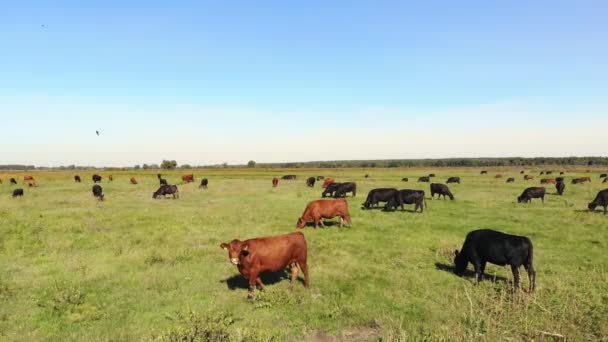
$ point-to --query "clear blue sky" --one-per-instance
(212, 81)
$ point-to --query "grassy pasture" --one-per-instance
(134, 268)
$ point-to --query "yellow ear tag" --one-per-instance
(246, 247)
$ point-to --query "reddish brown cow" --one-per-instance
(275, 182)
(325, 209)
(547, 181)
(528, 177)
(498, 175)
(585, 179)
(28, 178)
(133, 180)
(269, 254)
(328, 181)
(32, 183)
(188, 178)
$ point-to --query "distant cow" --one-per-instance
(27, 178)
(510, 180)
(528, 177)
(404, 179)
(345, 188)
(310, 181)
(547, 181)
(32, 183)
(548, 172)
(375, 196)
(581, 180)
(407, 196)
(188, 178)
(486, 245)
(521, 172)
(542, 172)
(530, 193)
(559, 179)
(366, 176)
(0, 180)
(330, 189)
(600, 200)
(275, 182)
(431, 175)
(440, 189)
(162, 181)
(96, 178)
(13, 181)
(17, 192)
(605, 180)
(159, 176)
(325, 209)
(561, 173)
(328, 181)
(585, 179)
(165, 190)
(483, 172)
(133, 180)
(453, 180)
(498, 175)
(269, 254)
(110, 178)
(320, 178)
(289, 177)
(576, 181)
(204, 183)
(603, 175)
(424, 179)
(77, 179)
(98, 192)
(560, 186)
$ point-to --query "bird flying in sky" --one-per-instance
(97, 133)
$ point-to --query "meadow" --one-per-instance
(135, 268)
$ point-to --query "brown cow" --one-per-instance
(275, 182)
(328, 181)
(32, 183)
(28, 178)
(269, 254)
(325, 209)
(498, 176)
(188, 178)
(528, 177)
(133, 180)
(547, 181)
(585, 179)
(110, 178)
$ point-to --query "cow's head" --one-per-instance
(460, 263)
(591, 206)
(236, 249)
(301, 223)
(520, 199)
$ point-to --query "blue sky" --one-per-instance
(226, 81)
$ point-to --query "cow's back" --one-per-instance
(275, 253)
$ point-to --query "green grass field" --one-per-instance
(134, 268)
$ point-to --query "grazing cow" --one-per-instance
(320, 178)
(98, 192)
(330, 189)
(325, 209)
(17, 192)
(431, 175)
(289, 177)
(585, 179)
(204, 183)
(345, 188)
(530, 193)
(404, 179)
(483, 172)
(310, 181)
(188, 178)
(28, 178)
(486, 245)
(328, 181)
(542, 172)
(375, 196)
(576, 181)
(110, 178)
(13, 181)
(600, 200)
(548, 172)
(453, 180)
(498, 175)
(366, 176)
(560, 186)
(440, 189)
(165, 190)
(424, 179)
(269, 254)
(96, 178)
(32, 183)
(77, 179)
(559, 179)
(603, 175)
(521, 172)
(407, 196)
(561, 173)
(547, 181)
(133, 180)
(528, 177)
(510, 180)
(162, 181)
(275, 182)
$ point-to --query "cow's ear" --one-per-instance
(455, 252)
(245, 247)
(224, 246)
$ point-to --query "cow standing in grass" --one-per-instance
(204, 183)
(530, 193)
(325, 209)
(17, 193)
(98, 192)
(600, 200)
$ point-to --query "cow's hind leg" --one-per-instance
(531, 276)
(515, 270)
(304, 268)
(259, 282)
(294, 272)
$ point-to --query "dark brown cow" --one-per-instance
(275, 182)
(269, 254)
(328, 181)
(188, 178)
(325, 209)
(77, 179)
(483, 172)
(133, 180)
(498, 175)
(548, 181)
(528, 177)
(110, 178)
(0, 180)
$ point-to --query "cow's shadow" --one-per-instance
(469, 273)
(327, 224)
(237, 281)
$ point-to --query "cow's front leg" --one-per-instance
(253, 279)
(259, 282)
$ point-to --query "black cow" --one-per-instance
(310, 181)
(159, 176)
(96, 178)
(98, 192)
(290, 177)
(510, 180)
(483, 172)
(431, 175)
(77, 179)
(605, 180)
(330, 189)
(560, 186)
(204, 183)
(378, 195)
(521, 172)
(366, 176)
(440, 189)
(344, 188)
(542, 172)
(453, 180)
(13, 181)
(486, 245)
(577, 181)
(530, 193)
(165, 190)
(407, 196)
(404, 179)
(162, 181)
(17, 192)
(601, 199)
(561, 173)
(548, 172)
(320, 178)
(603, 175)
(559, 179)
(424, 179)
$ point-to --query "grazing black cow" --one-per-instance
(162, 181)
(440, 189)
(159, 176)
(521, 172)
(577, 181)
(424, 179)
(530, 193)
(17, 192)
(407, 196)
(378, 195)
(96, 178)
(310, 182)
(330, 189)
(561, 173)
(510, 180)
(559, 179)
(77, 179)
(320, 178)
(548, 172)
(542, 172)
(453, 180)
(486, 245)
(204, 183)
(431, 175)
(483, 172)
(600, 200)
(344, 188)
(404, 179)
(366, 176)
(289, 177)
(13, 181)
(603, 175)
(165, 190)
(560, 186)
(98, 192)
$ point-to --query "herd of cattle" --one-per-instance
(271, 254)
